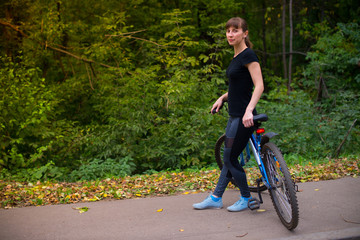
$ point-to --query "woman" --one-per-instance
(244, 73)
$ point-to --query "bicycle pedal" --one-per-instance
(254, 203)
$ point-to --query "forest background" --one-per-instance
(113, 88)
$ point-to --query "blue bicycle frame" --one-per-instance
(256, 148)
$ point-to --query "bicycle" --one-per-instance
(273, 173)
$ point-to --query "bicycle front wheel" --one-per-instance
(252, 175)
(282, 190)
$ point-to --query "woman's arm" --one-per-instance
(217, 105)
(255, 72)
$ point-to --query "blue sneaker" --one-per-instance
(209, 203)
(240, 205)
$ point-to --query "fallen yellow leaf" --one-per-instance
(82, 209)
(316, 189)
(94, 199)
(160, 210)
(261, 210)
(181, 230)
(185, 193)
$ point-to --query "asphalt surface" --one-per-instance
(328, 210)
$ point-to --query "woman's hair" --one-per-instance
(238, 22)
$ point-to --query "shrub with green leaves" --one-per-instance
(26, 112)
(313, 130)
(335, 59)
(32, 133)
(100, 169)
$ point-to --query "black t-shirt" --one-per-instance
(240, 82)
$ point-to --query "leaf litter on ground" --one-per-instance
(22, 194)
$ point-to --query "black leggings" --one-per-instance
(237, 136)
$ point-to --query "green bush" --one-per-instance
(26, 114)
(311, 130)
(335, 58)
(32, 130)
(100, 169)
(44, 173)
(315, 118)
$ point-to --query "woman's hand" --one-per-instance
(218, 104)
(248, 119)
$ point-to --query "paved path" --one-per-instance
(328, 210)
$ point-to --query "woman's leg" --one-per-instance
(237, 136)
(214, 200)
(225, 175)
(222, 182)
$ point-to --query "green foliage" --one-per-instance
(116, 87)
(307, 129)
(44, 173)
(158, 115)
(30, 124)
(26, 113)
(315, 125)
(335, 58)
(100, 169)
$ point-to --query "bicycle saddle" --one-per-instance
(260, 118)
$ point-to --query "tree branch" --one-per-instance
(78, 57)
(124, 34)
(16, 28)
(277, 54)
(87, 70)
(142, 39)
(337, 152)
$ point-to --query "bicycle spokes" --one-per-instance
(280, 190)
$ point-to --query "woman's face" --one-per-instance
(235, 35)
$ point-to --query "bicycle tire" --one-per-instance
(282, 191)
(219, 146)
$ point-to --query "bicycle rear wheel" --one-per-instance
(282, 189)
(251, 178)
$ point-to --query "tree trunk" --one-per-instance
(264, 59)
(290, 46)
(284, 39)
(322, 90)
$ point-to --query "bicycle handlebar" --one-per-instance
(213, 111)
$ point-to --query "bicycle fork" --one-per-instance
(254, 203)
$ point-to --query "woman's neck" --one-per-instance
(239, 48)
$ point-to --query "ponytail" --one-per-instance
(247, 42)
